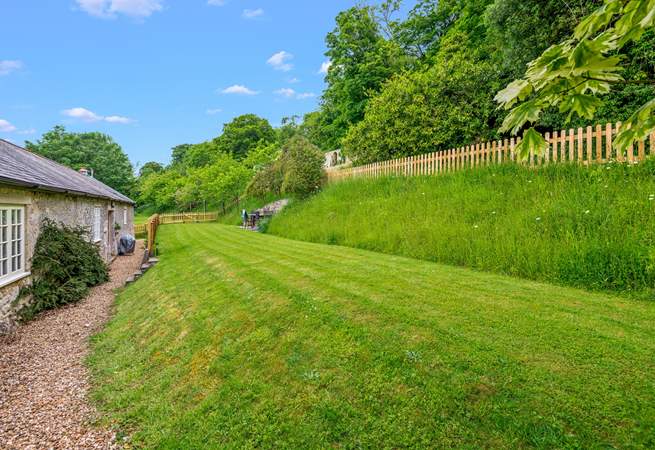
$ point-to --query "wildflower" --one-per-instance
(538, 219)
(493, 212)
(586, 212)
(475, 226)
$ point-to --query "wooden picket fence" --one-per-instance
(152, 224)
(591, 145)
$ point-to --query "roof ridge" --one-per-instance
(56, 175)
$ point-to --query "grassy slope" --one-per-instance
(591, 228)
(264, 342)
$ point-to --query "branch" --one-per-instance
(646, 81)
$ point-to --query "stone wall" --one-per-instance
(68, 209)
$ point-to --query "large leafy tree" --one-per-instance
(93, 150)
(361, 61)
(243, 134)
(149, 168)
(420, 112)
(573, 74)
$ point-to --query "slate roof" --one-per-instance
(20, 167)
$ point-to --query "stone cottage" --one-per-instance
(33, 188)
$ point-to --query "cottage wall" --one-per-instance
(70, 210)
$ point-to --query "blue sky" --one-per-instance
(157, 73)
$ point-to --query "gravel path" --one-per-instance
(43, 380)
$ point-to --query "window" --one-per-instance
(125, 215)
(12, 242)
(97, 224)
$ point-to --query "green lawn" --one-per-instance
(239, 339)
(140, 218)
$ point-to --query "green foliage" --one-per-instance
(64, 266)
(149, 168)
(555, 224)
(158, 191)
(571, 74)
(361, 60)
(424, 111)
(297, 172)
(221, 182)
(95, 151)
(245, 340)
(178, 154)
(201, 155)
(243, 134)
(267, 181)
(303, 168)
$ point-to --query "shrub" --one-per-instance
(297, 172)
(303, 167)
(267, 181)
(65, 265)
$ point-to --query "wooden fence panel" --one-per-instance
(581, 145)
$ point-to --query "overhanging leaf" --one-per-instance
(515, 91)
(581, 104)
(532, 141)
(598, 19)
(519, 116)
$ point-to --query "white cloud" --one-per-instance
(118, 119)
(325, 67)
(290, 93)
(252, 13)
(213, 111)
(6, 126)
(294, 80)
(111, 8)
(285, 92)
(216, 2)
(27, 131)
(280, 61)
(239, 90)
(86, 115)
(7, 66)
(82, 114)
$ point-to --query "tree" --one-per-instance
(243, 134)
(361, 60)
(420, 112)
(303, 167)
(201, 155)
(221, 182)
(149, 168)
(94, 151)
(178, 153)
(159, 191)
(574, 73)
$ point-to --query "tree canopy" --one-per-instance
(93, 150)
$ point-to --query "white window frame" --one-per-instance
(12, 243)
(124, 215)
(97, 224)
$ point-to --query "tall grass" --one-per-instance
(579, 226)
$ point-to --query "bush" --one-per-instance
(297, 172)
(65, 265)
(303, 168)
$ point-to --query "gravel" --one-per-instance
(43, 380)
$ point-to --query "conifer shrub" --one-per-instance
(65, 265)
